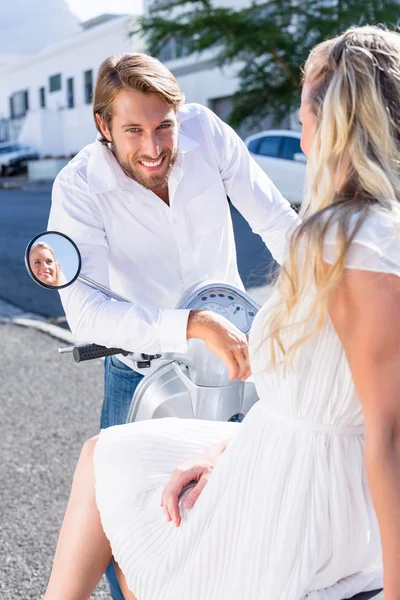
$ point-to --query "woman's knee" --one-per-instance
(85, 462)
(85, 468)
(88, 449)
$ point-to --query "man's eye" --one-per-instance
(165, 126)
(133, 130)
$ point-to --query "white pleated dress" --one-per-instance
(286, 514)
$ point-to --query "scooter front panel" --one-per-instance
(169, 392)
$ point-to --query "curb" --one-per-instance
(40, 325)
(11, 186)
(12, 315)
(23, 183)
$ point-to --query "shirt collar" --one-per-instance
(104, 173)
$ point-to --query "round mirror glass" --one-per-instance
(53, 260)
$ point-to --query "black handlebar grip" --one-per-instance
(90, 351)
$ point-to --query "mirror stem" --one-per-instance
(101, 288)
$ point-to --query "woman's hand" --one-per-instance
(224, 339)
(196, 470)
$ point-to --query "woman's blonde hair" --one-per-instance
(354, 83)
(60, 278)
(138, 72)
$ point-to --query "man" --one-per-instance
(147, 206)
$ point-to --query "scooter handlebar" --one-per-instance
(84, 352)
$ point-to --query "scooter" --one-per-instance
(191, 385)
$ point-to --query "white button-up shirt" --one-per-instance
(152, 253)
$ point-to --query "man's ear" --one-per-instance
(103, 128)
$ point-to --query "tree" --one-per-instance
(269, 40)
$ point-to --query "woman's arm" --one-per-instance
(365, 310)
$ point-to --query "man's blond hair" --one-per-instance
(138, 72)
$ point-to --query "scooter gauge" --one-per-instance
(239, 316)
(216, 308)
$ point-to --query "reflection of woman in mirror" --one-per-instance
(44, 265)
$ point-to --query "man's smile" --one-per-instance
(153, 165)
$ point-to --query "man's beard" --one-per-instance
(152, 182)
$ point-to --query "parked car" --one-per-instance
(279, 154)
(13, 156)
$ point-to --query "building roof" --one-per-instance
(99, 20)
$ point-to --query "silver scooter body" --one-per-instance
(195, 385)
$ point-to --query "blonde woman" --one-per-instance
(44, 265)
(307, 489)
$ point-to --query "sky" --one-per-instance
(87, 9)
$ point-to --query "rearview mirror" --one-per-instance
(53, 260)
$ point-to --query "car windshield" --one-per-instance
(10, 148)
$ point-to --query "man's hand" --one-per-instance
(196, 470)
(224, 339)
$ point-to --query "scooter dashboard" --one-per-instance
(232, 304)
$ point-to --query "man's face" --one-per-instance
(144, 133)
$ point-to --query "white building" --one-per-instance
(45, 96)
(49, 63)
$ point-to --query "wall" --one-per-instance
(71, 58)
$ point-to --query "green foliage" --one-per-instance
(269, 40)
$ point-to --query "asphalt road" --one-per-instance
(49, 407)
(24, 214)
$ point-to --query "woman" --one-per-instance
(287, 513)
(44, 265)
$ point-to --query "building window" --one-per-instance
(174, 48)
(55, 83)
(70, 93)
(88, 84)
(19, 104)
(168, 51)
(26, 100)
(42, 97)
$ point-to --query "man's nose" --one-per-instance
(152, 147)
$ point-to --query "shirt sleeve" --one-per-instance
(250, 189)
(92, 316)
(375, 247)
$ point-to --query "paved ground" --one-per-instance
(49, 407)
(24, 213)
